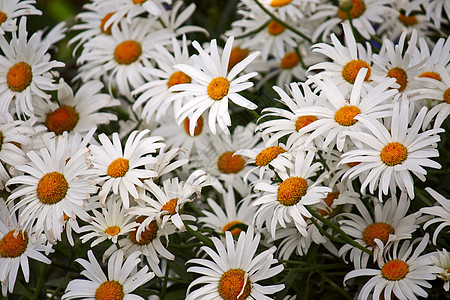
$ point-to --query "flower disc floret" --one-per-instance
(127, 52)
(395, 270)
(103, 22)
(274, 28)
(447, 96)
(289, 60)
(357, 10)
(109, 290)
(218, 88)
(170, 206)
(112, 230)
(19, 77)
(400, 75)
(237, 55)
(3, 17)
(231, 284)
(345, 115)
(379, 231)
(432, 75)
(139, 1)
(147, 236)
(178, 78)
(303, 121)
(118, 168)
(407, 20)
(280, 3)
(291, 190)
(198, 127)
(64, 118)
(235, 231)
(229, 163)
(393, 154)
(267, 155)
(13, 244)
(52, 188)
(351, 69)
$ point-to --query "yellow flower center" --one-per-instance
(279, 3)
(178, 78)
(235, 231)
(267, 155)
(275, 28)
(289, 60)
(147, 236)
(292, 190)
(62, 119)
(109, 290)
(3, 17)
(407, 20)
(170, 206)
(345, 115)
(112, 230)
(118, 168)
(138, 1)
(379, 231)
(227, 163)
(432, 75)
(127, 52)
(304, 121)
(231, 284)
(103, 22)
(237, 55)
(198, 127)
(19, 77)
(351, 69)
(400, 75)
(52, 188)
(447, 95)
(13, 244)
(357, 10)
(395, 270)
(393, 154)
(218, 88)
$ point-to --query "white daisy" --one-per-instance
(433, 9)
(175, 17)
(11, 10)
(292, 9)
(441, 213)
(442, 260)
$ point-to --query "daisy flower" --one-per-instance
(234, 271)
(441, 212)
(213, 86)
(401, 274)
(123, 278)
(24, 71)
(442, 260)
(288, 9)
(121, 170)
(174, 20)
(11, 10)
(433, 9)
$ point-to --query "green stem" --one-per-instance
(351, 23)
(40, 282)
(192, 245)
(322, 231)
(323, 161)
(422, 196)
(164, 285)
(177, 280)
(336, 287)
(253, 32)
(199, 236)
(317, 267)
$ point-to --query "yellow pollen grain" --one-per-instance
(3, 17)
(109, 290)
(351, 69)
(447, 95)
(52, 188)
(235, 231)
(229, 163)
(291, 190)
(274, 28)
(395, 270)
(127, 52)
(303, 121)
(358, 9)
(379, 231)
(407, 20)
(218, 88)
(103, 22)
(231, 284)
(112, 230)
(64, 118)
(236, 56)
(393, 154)
(198, 127)
(147, 236)
(267, 155)
(279, 3)
(432, 75)
(19, 77)
(170, 206)
(13, 244)
(289, 60)
(118, 167)
(400, 75)
(178, 78)
(345, 115)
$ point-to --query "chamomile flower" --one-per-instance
(213, 86)
(288, 9)
(123, 278)
(441, 213)
(442, 260)
(11, 10)
(234, 271)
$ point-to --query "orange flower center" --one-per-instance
(267, 155)
(170, 206)
(19, 77)
(13, 244)
(127, 52)
(279, 3)
(352, 164)
(231, 284)
(52, 188)
(395, 270)
(3, 17)
(118, 168)
(147, 236)
(303, 121)
(329, 200)
(109, 290)
(178, 78)
(432, 75)
(351, 69)
(218, 88)
(400, 75)
(103, 22)
(138, 1)
(62, 119)
(198, 127)
(357, 10)
(235, 231)
(345, 115)
(289, 61)
(275, 28)
(229, 163)
(237, 55)
(379, 231)
(292, 190)
(393, 154)
(407, 20)
(112, 230)
(447, 95)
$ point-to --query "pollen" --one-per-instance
(292, 190)
(3, 17)
(103, 22)
(229, 163)
(170, 206)
(345, 115)
(407, 20)
(275, 28)
(357, 10)
(118, 168)
(13, 244)
(289, 60)
(178, 78)
(236, 56)
(218, 88)
(267, 155)
(379, 231)
(52, 188)
(395, 270)
(198, 127)
(303, 121)
(447, 96)
(432, 75)
(147, 236)
(393, 154)
(231, 285)
(19, 77)
(62, 119)
(279, 3)
(351, 69)
(235, 231)
(127, 52)
(109, 290)
(400, 75)
(112, 230)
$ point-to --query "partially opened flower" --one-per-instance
(440, 213)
